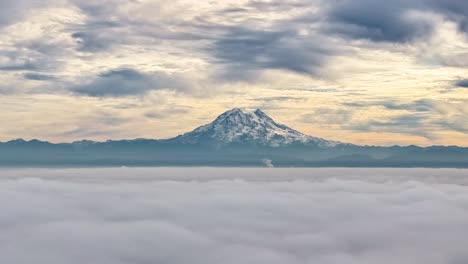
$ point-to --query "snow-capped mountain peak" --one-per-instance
(249, 127)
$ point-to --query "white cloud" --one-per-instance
(233, 216)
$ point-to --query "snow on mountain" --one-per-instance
(242, 126)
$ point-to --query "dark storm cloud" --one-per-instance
(390, 20)
(462, 83)
(127, 82)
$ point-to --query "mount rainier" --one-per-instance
(235, 138)
(245, 127)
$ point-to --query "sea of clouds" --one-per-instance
(226, 215)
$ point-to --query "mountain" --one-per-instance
(235, 138)
(238, 126)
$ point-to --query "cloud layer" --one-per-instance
(256, 216)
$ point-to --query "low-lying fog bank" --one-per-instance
(223, 215)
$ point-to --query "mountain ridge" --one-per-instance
(235, 138)
(298, 136)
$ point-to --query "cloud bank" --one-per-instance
(256, 216)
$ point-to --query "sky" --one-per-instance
(358, 71)
(252, 216)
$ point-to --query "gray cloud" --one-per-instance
(91, 42)
(279, 98)
(126, 82)
(162, 215)
(245, 51)
(390, 20)
(168, 111)
(462, 83)
(455, 10)
(376, 20)
(20, 66)
(422, 105)
(38, 76)
(14, 10)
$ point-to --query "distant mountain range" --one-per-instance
(235, 138)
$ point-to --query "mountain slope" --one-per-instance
(238, 126)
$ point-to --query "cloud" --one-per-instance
(392, 21)
(422, 105)
(163, 215)
(453, 115)
(423, 117)
(38, 76)
(462, 83)
(455, 10)
(327, 116)
(21, 66)
(411, 117)
(14, 10)
(245, 51)
(279, 98)
(168, 112)
(127, 82)
(404, 123)
(376, 20)
(90, 42)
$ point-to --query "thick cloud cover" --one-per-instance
(233, 216)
